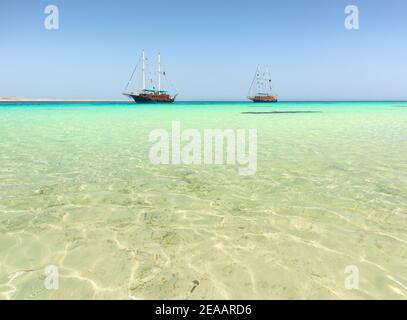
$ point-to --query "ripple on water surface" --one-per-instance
(78, 191)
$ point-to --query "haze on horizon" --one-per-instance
(210, 48)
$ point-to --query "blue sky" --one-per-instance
(210, 48)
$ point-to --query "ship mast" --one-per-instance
(143, 67)
(159, 72)
(255, 78)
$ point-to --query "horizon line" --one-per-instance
(5, 100)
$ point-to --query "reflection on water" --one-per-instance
(280, 112)
(77, 191)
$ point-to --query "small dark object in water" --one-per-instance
(196, 283)
(278, 112)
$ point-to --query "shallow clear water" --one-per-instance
(78, 191)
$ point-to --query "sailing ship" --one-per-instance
(261, 89)
(149, 92)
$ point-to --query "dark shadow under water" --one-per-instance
(278, 112)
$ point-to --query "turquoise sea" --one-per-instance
(324, 216)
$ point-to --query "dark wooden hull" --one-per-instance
(264, 99)
(152, 98)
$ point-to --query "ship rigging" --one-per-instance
(150, 92)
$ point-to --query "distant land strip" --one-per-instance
(13, 99)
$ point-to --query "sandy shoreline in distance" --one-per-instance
(13, 99)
